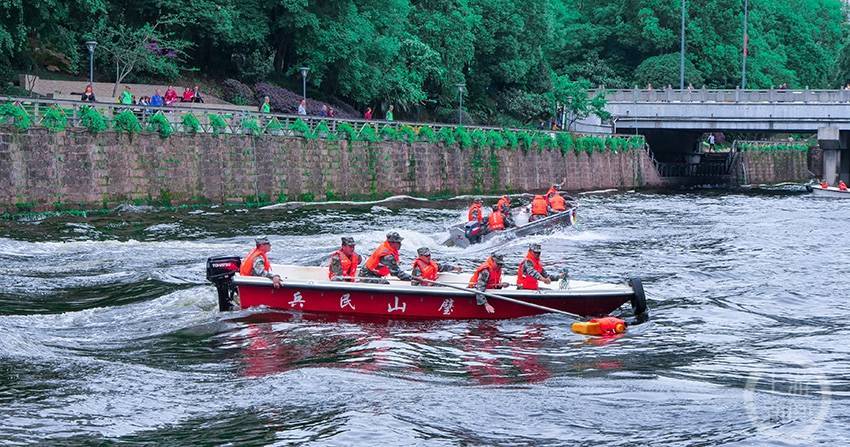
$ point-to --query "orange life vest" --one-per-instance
(551, 191)
(470, 216)
(374, 265)
(558, 203)
(496, 221)
(842, 186)
(524, 281)
(427, 270)
(503, 204)
(349, 265)
(495, 274)
(824, 185)
(247, 268)
(539, 206)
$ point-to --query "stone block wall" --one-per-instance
(775, 166)
(43, 170)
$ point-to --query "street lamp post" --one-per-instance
(746, 43)
(304, 71)
(91, 44)
(460, 88)
(682, 51)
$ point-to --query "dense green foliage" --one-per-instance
(515, 58)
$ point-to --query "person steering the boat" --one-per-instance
(488, 276)
(539, 208)
(476, 212)
(425, 268)
(530, 271)
(344, 262)
(257, 262)
(554, 189)
(384, 261)
(504, 205)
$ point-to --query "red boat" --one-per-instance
(307, 289)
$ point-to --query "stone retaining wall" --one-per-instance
(774, 167)
(43, 170)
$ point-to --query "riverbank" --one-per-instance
(77, 169)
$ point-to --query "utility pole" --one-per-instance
(746, 44)
(682, 51)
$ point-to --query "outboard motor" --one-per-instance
(473, 231)
(220, 271)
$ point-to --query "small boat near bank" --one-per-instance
(459, 234)
(307, 289)
(831, 192)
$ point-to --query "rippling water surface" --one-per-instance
(108, 333)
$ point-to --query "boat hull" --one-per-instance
(417, 303)
(457, 234)
(830, 192)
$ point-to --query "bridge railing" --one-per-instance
(727, 95)
(233, 117)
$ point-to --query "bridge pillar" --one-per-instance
(836, 154)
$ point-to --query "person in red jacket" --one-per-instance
(344, 262)
(496, 220)
(842, 186)
(488, 275)
(257, 262)
(530, 270)
(426, 268)
(539, 208)
(476, 212)
(824, 184)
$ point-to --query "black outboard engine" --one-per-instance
(220, 271)
(473, 231)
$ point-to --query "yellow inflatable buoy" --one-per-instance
(600, 326)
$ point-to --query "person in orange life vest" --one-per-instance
(842, 186)
(824, 184)
(488, 275)
(496, 220)
(344, 262)
(425, 268)
(257, 262)
(475, 214)
(530, 271)
(557, 203)
(554, 189)
(504, 205)
(539, 208)
(384, 261)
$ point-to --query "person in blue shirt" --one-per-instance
(157, 100)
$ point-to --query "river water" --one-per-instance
(108, 333)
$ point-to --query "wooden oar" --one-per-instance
(504, 298)
(596, 326)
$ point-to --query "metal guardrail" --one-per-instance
(727, 95)
(233, 117)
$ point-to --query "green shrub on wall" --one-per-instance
(126, 121)
(274, 126)
(495, 139)
(388, 133)
(55, 119)
(217, 123)
(479, 138)
(251, 126)
(772, 147)
(526, 140)
(426, 133)
(464, 140)
(367, 133)
(20, 116)
(323, 131)
(446, 136)
(190, 123)
(346, 131)
(300, 128)
(159, 123)
(91, 119)
(407, 134)
(565, 142)
(511, 139)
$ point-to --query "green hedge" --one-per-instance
(55, 119)
(773, 146)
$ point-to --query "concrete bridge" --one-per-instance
(674, 120)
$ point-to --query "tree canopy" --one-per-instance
(512, 56)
